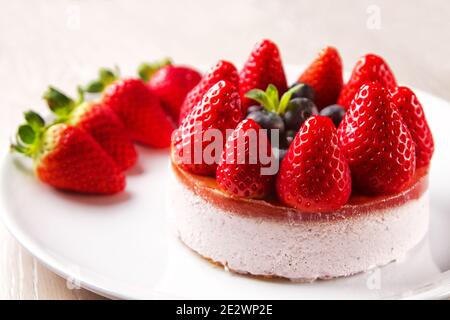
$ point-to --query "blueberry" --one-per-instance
(254, 108)
(305, 91)
(297, 111)
(335, 112)
(267, 120)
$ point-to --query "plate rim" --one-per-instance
(437, 289)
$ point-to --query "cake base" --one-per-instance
(297, 249)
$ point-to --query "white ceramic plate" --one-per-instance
(123, 246)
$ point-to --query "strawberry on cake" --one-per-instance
(317, 180)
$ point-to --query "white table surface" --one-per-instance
(65, 42)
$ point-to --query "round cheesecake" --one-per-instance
(265, 238)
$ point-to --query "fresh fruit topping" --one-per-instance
(222, 70)
(314, 175)
(282, 114)
(377, 142)
(67, 157)
(171, 84)
(147, 69)
(254, 108)
(335, 112)
(262, 68)
(140, 111)
(267, 120)
(220, 109)
(298, 111)
(98, 120)
(369, 68)
(270, 99)
(240, 171)
(412, 113)
(324, 75)
(304, 91)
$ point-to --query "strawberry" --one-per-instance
(99, 121)
(314, 175)
(67, 157)
(240, 169)
(377, 142)
(220, 109)
(137, 106)
(412, 113)
(171, 84)
(141, 112)
(369, 68)
(324, 75)
(223, 70)
(262, 68)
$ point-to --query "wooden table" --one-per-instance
(64, 42)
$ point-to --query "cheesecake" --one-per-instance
(265, 238)
(316, 180)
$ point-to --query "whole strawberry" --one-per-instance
(324, 75)
(223, 70)
(414, 117)
(141, 112)
(137, 106)
(369, 68)
(377, 142)
(171, 84)
(262, 68)
(68, 158)
(314, 175)
(99, 121)
(240, 171)
(219, 110)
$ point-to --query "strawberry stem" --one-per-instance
(146, 70)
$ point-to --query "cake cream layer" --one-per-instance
(296, 246)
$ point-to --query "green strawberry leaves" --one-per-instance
(58, 102)
(34, 120)
(270, 100)
(105, 78)
(147, 70)
(28, 134)
(263, 98)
